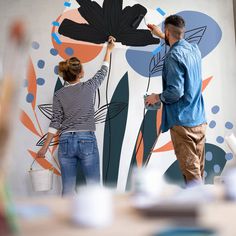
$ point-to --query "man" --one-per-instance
(183, 105)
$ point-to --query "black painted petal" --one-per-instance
(112, 13)
(109, 20)
(93, 13)
(132, 17)
(83, 32)
(138, 38)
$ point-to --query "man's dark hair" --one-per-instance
(176, 26)
(175, 20)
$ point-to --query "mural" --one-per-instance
(81, 31)
(110, 19)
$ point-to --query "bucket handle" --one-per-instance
(31, 166)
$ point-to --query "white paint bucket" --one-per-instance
(42, 180)
(92, 207)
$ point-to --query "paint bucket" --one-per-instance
(41, 179)
(93, 207)
(155, 106)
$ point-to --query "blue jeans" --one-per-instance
(78, 148)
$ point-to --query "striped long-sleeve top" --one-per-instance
(73, 105)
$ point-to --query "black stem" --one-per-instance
(109, 123)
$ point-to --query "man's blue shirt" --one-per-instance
(182, 87)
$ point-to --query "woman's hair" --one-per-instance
(70, 68)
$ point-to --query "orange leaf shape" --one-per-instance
(27, 122)
(44, 163)
(54, 148)
(158, 120)
(32, 83)
(165, 148)
(139, 150)
(206, 82)
(55, 140)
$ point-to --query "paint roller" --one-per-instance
(137, 21)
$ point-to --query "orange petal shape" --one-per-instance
(206, 82)
(140, 150)
(85, 51)
(44, 163)
(27, 122)
(165, 148)
(32, 83)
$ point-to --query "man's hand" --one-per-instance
(156, 31)
(42, 152)
(152, 99)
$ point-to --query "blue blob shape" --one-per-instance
(41, 64)
(205, 174)
(229, 156)
(209, 156)
(200, 29)
(40, 81)
(56, 70)
(54, 52)
(216, 168)
(219, 139)
(30, 97)
(198, 19)
(69, 51)
(35, 45)
(212, 124)
(215, 109)
(175, 176)
(229, 125)
(139, 61)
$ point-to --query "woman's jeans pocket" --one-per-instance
(86, 146)
(63, 147)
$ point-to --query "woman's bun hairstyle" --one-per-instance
(69, 69)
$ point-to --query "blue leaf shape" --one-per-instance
(114, 132)
(139, 59)
(59, 85)
(149, 137)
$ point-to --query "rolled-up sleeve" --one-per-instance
(57, 116)
(174, 80)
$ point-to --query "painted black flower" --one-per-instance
(110, 19)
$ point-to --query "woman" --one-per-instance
(73, 117)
